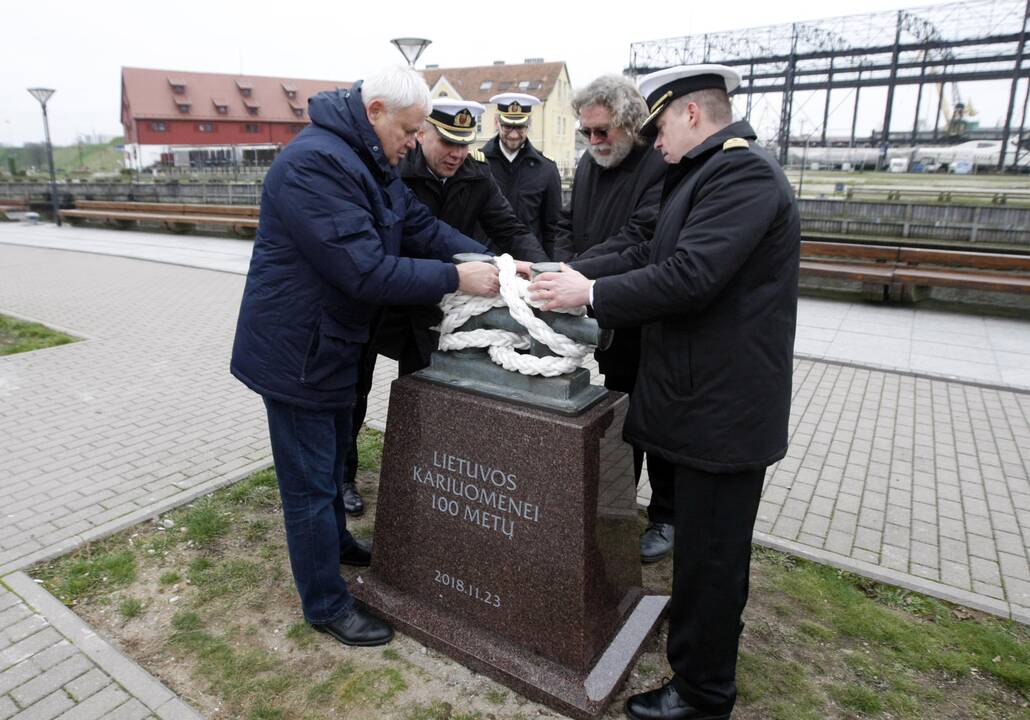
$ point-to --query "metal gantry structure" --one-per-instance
(928, 46)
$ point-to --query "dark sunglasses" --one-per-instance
(601, 133)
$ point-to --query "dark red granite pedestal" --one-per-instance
(507, 537)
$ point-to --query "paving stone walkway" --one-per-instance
(918, 481)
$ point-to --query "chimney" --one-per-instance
(498, 62)
(534, 61)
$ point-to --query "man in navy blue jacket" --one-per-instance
(340, 236)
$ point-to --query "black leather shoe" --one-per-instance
(656, 542)
(359, 554)
(352, 502)
(357, 628)
(666, 704)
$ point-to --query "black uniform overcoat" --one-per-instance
(716, 293)
(532, 185)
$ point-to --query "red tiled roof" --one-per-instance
(149, 95)
(533, 78)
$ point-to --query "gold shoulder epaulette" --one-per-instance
(734, 143)
(477, 155)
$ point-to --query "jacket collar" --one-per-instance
(414, 166)
(739, 129)
(492, 149)
(343, 112)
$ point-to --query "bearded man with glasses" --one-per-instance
(614, 204)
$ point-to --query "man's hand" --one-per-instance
(565, 289)
(478, 278)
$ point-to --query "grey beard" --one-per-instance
(619, 151)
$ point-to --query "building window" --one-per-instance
(206, 127)
(251, 128)
(299, 112)
(486, 84)
(159, 127)
(178, 89)
(184, 107)
(252, 109)
(222, 109)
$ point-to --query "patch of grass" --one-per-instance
(391, 654)
(816, 631)
(169, 578)
(130, 607)
(370, 449)
(18, 336)
(245, 677)
(496, 696)
(924, 635)
(856, 697)
(205, 521)
(259, 491)
(256, 530)
(373, 687)
(302, 634)
(89, 572)
(436, 710)
(780, 686)
(229, 577)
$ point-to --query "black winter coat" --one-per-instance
(339, 236)
(532, 185)
(470, 202)
(716, 292)
(610, 210)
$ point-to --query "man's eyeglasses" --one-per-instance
(513, 128)
(600, 133)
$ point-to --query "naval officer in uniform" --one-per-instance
(716, 293)
(527, 178)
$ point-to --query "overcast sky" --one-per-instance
(79, 47)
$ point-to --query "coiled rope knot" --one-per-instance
(503, 345)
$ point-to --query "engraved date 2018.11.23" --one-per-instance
(466, 588)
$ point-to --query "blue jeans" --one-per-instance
(309, 448)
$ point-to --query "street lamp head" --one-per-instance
(411, 48)
(41, 94)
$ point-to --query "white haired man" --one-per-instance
(339, 236)
(614, 203)
(716, 292)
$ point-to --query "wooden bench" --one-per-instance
(891, 272)
(998, 272)
(13, 205)
(176, 217)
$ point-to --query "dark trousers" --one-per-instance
(410, 360)
(309, 448)
(715, 516)
(659, 471)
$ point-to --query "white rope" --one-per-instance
(459, 307)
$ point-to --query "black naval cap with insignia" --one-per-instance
(662, 87)
(514, 108)
(455, 120)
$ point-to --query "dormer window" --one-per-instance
(183, 105)
(290, 90)
(178, 85)
(252, 107)
(245, 87)
(221, 106)
(298, 110)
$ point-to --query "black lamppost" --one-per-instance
(43, 94)
(411, 48)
